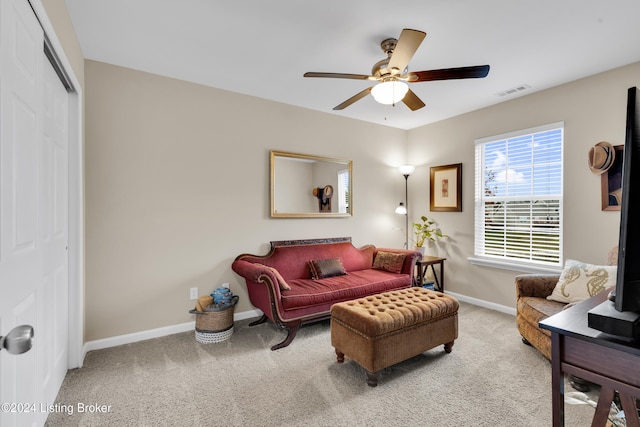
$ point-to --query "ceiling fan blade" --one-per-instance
(475, 72)
(339, 76)
(406, 47)
(412, 101)
(354, 98)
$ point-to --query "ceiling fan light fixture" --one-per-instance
(389, 92)
(392, 73)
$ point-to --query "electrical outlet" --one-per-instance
(225, 285)
(193, 293)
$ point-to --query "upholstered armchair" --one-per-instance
(532, 306)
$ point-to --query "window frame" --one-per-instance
(505, 262)
(344, 202)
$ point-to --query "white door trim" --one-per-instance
(76, 196)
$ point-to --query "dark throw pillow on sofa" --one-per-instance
(326, 268)
(389, 261)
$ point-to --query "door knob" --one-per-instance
(18, 340)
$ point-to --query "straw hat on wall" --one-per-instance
(601, 157)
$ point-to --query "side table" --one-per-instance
(423, 265)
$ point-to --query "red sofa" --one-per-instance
(280, 283)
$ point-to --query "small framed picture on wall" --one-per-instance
(445, 188)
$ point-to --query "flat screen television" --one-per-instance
(621, 314)
(627, 293)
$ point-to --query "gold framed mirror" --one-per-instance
(308, 186)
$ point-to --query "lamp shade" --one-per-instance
(407, 169)
(401, 209)
(389, 92)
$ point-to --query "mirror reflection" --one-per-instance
(304, 185)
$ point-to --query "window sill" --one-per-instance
(514, 266)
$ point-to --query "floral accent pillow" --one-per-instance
(389, 261)
(580, 281)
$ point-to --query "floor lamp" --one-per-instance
(403, 208)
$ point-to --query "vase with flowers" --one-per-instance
(425, 232)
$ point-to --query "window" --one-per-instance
(343, 191)
(518, 198)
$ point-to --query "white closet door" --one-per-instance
(54, 219)
(33, 218)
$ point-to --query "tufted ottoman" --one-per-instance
(381, 330)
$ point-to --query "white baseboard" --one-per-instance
(154, 333)
(189, 326)
(483, 303)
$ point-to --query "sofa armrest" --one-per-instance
(536, 285)
(411, 257)
(256, 273)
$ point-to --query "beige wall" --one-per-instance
(593, 110)
(177, 185)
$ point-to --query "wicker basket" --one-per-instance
(215, 325)
(213, 337)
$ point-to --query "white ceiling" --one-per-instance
(263, 47)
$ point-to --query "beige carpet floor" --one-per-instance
(490, 379)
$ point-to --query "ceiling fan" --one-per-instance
(393, 75)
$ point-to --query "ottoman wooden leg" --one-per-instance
(448, 347)
(372, 379)
(340, 356)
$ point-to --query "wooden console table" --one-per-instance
(613, 363)
(423, 266)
